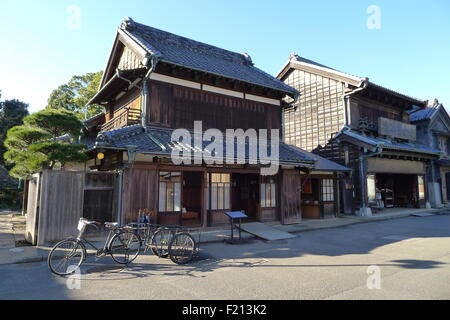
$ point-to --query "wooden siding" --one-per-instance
(61, 205)
(127, 99)
(319, 113)
(269, 214)
(177, 107)
(140, 191)
(291, 197)
(362, 109)
(57, 199)
(129, 60)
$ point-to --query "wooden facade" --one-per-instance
(319, 113)
(141, 190)
(176, 106)
(57, 199)
(433, 129)
(332, 102)
(174, 96)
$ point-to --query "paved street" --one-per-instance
(413, 255)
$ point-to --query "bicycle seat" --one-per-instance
(111, 224)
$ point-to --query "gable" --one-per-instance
(440, 124)
(125, 55)
(129, 60)
(318, 69)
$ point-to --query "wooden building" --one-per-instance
(433, 129)
(156, 82)
(364, 126)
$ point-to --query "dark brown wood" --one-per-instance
(140, 191)
(291, 197)
(178, 107)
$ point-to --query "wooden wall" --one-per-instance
(140, 191)
(126, 99)
(57, 199)
(291, 197)
(61, 205)
(320, 111)
(368, 110)
(269, 214)
(177, 107)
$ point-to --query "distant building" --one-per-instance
(433, 129)
(362, 125)
(156, 82)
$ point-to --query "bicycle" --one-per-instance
(164, 241)
(67, 255)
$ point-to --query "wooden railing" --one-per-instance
(123, 117)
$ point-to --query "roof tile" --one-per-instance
(200, 56)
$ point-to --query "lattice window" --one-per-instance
(327, 190)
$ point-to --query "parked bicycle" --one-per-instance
(122, 243)
(164, 241)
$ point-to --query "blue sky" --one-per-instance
(41, 48)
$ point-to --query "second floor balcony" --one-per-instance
(123, 117)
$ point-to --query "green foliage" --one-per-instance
(10, 198)
(75, 94)
(11, 114)
(44, 141)
(55, 121)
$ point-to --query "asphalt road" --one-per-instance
(411, 258)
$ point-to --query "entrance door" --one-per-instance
(245, 194)
(291, 197)
(191, 211)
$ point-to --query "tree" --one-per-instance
(75, 94)
(45, 140)
(11, 114)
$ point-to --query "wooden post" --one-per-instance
(337, 200)
(204, 213)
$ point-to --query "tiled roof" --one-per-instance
(192, 54)
(322, 164)
(388, 144)
(423, 114)
(157, 140)
(95, 120)
(295, 57)
(6, 181)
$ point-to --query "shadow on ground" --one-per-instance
(358, 239)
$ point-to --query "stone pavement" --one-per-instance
(12, 229)
(11, 253)
(13, 248)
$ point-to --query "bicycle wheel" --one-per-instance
(66, 257)
(159, 242)
(182, 248)
(125, 247)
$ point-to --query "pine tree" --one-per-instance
(46, 139)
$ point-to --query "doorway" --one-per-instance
(192, 200)
(401, 190)
(245, 194)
